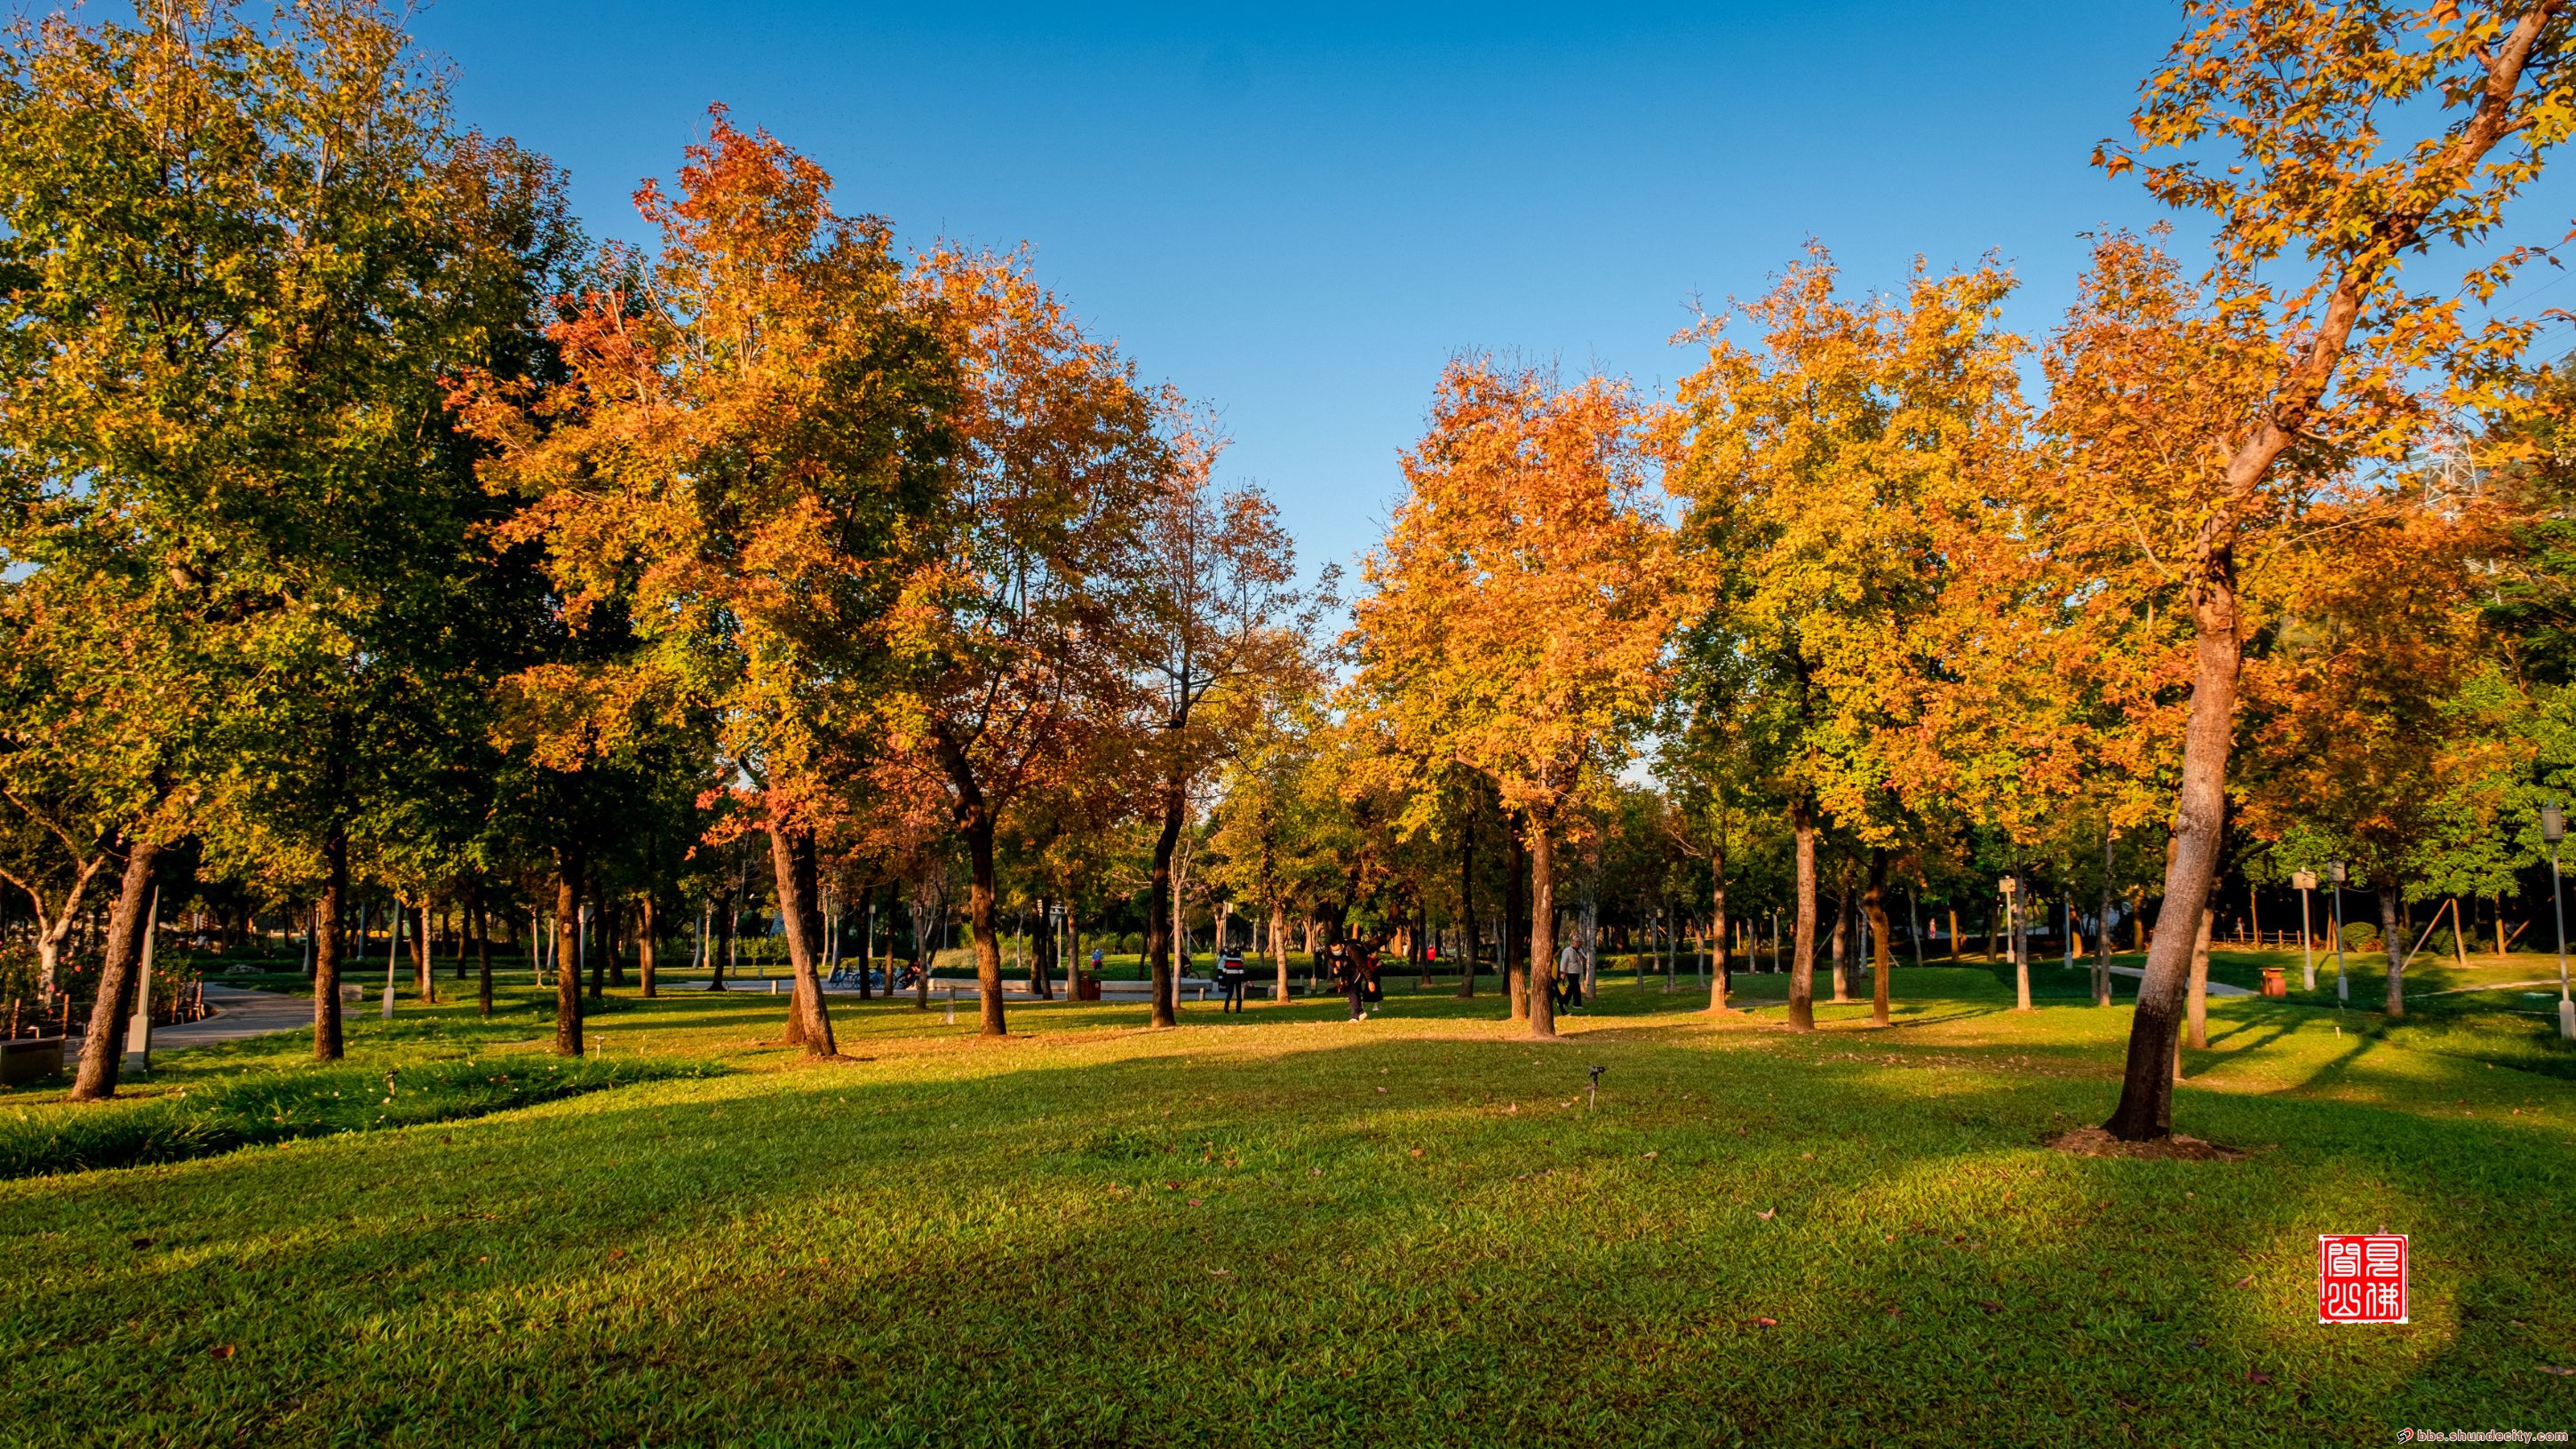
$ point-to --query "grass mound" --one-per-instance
(284, 1103)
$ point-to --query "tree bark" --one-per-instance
(644, 943)
(424, 967)
(1158, 909)
(720, 945)
(2102, 933)
(1874, 908)
(1542, 967)
(980, 896)
(482, 955)
(104, 1049)
(328, 946)
(1467, 897)
(2392, 932)
(1515, 942)
(1279, 952)
(1841, 946)
(569, 885)
(1722, 973)
(791, 858)
(2145, 1110)
(1802, 961)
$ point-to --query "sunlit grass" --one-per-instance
(1288, 1228)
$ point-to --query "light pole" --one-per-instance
(2343, 988)
(2553, 829)
(2306, 881)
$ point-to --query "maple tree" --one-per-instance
(2272, 117)
(1516, 618)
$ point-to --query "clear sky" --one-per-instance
(1297, 215)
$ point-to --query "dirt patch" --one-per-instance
(2094, 1142)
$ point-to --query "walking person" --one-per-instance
(1348, 976)
(1231, 975)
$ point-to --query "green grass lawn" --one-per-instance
(1282, 1228)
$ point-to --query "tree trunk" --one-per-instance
(2393, 932)
(1542, 967)
(2145, 1111)
(328, 945)
(1279, 952)
(720, 945)
(2019, 925)
(1467, 896)
(1516, 917)
(1874, 909)
(569, 885)
(1841, 945)
(791, 859)
(644, 943)
(1802, 960)
(1721, 976)
(424, 969)
(104, 1049)
(980, 894)
(2102, 935)
(482, 955)
(1158, 909)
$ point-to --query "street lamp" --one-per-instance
(2553, 829)
(2306, 881)
(2343, 988)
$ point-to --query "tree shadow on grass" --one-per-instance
(1002, 1246)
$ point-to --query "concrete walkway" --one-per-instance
(2216, 988)
(238, 1013)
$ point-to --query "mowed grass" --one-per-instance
(1283, 1228)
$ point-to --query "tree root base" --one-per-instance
(2095, 1142)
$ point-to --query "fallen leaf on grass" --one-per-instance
(2245, 1282)
(1194, 1202)
(2551, 1368)
(1220, 1272)
(1990, 1305)
(1417, 1152)
(1765, 1322)
(2257, 1376)
(221, 1350)
(1650, 1157)
(1767, 1214)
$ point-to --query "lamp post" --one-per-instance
(2553, 829)
(2306, 881)
(2343, 988)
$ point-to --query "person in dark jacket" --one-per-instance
(1231, 975)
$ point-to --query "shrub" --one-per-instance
(2360, 936)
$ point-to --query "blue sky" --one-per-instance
(1296, 216)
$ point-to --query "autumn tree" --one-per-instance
(1225, 626)
(739, 468)
(1817, 464)
(2274, 118)
(1516, 618)
(240, 256)
(1014, 635)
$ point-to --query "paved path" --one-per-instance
(2216, 988)
(239, 1013)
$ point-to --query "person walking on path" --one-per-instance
(1349, 977)
(1230, 975)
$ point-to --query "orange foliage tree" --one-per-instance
(1516, 619)
(738, 470)
(1015, 632)
(2273, 117)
